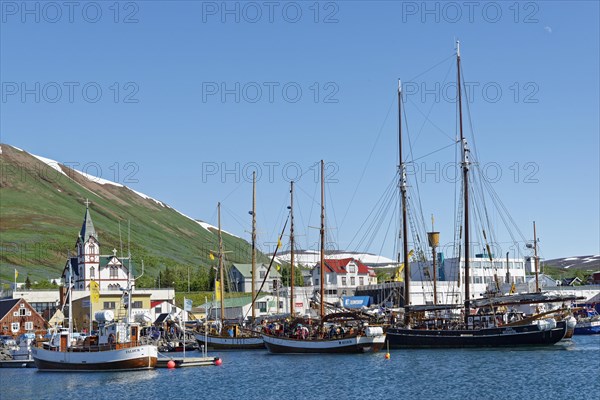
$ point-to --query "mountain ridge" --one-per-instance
(42, 208)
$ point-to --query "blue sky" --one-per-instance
(171, 94)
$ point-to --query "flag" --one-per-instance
(187, 304)
(278, 267)
(16, 274)
(217, 290)
(210, 255)
(94, 292)
(278, 242)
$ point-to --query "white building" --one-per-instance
(109, 271)
(342, 277)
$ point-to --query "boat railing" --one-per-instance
(91, 348)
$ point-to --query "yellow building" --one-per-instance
(110, 301)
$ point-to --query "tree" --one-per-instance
(27, 283)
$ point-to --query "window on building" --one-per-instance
(22, 312)
(137, 304)
(14, 327)
(29, 326)
(114, 272)
(109, 305)
(262, 274)
(352, 268)
(352, 281)
(92, 272)
(262, 306)
(344, 281)
(280, 305)
(159, 310)
(361, 281)
(92, 248)
(316, 282)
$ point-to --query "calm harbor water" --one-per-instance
(569, 370)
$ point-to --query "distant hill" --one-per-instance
(581, 263)
(42, 208)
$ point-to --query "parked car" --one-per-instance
(7, 341)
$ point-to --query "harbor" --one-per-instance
(300, 200)
(562, 371)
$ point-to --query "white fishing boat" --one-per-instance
(117, 346)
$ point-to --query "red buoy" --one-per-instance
(218, 362)
(387, 356)
(171, 364)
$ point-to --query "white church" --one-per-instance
(109, 271)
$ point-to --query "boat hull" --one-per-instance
(355, 344)
(231, 343)
(529, 335)
(587, 328)
(126, 359)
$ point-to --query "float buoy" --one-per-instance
(218, 362)
(171, 364)
(387, 356)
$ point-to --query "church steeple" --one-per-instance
(87, 229)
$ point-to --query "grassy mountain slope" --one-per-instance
(41, 211)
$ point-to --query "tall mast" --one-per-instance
(221, 273)
(322, 240)
(402, 186)
(536, 259)
(465, 168)
(292, 268)
(70, 292)
(253, 241)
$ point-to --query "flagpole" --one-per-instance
(16, 274)
(182, 317)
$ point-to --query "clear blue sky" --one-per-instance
(162, 68)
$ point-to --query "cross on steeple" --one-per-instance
(115, 252)
(87, 203)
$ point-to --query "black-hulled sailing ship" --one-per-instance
(467, 328)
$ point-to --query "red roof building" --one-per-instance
(342, 276)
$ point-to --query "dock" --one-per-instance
(181, 362)
(17, 364)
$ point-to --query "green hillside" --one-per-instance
(41, 211)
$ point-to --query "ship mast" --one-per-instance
(322, 240)
(292, 268)
(465, 168)
(402, 187)
(253, 212)
(221, 273)
(536, 260)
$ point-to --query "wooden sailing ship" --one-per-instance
(469, 329)
(232, 335)
(334, 333)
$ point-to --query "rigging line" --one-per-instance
(391, 186)
(416, 181)
(429, 120)
(235, 217)
(435, 151)
(233, 190)
(433, 104)
(332, 208)
(380, 208)
(434, 66)
(362, 174)
(270, 264)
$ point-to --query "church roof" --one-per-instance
(87, 229)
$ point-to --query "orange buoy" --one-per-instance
(171, 364)
(387, 356)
